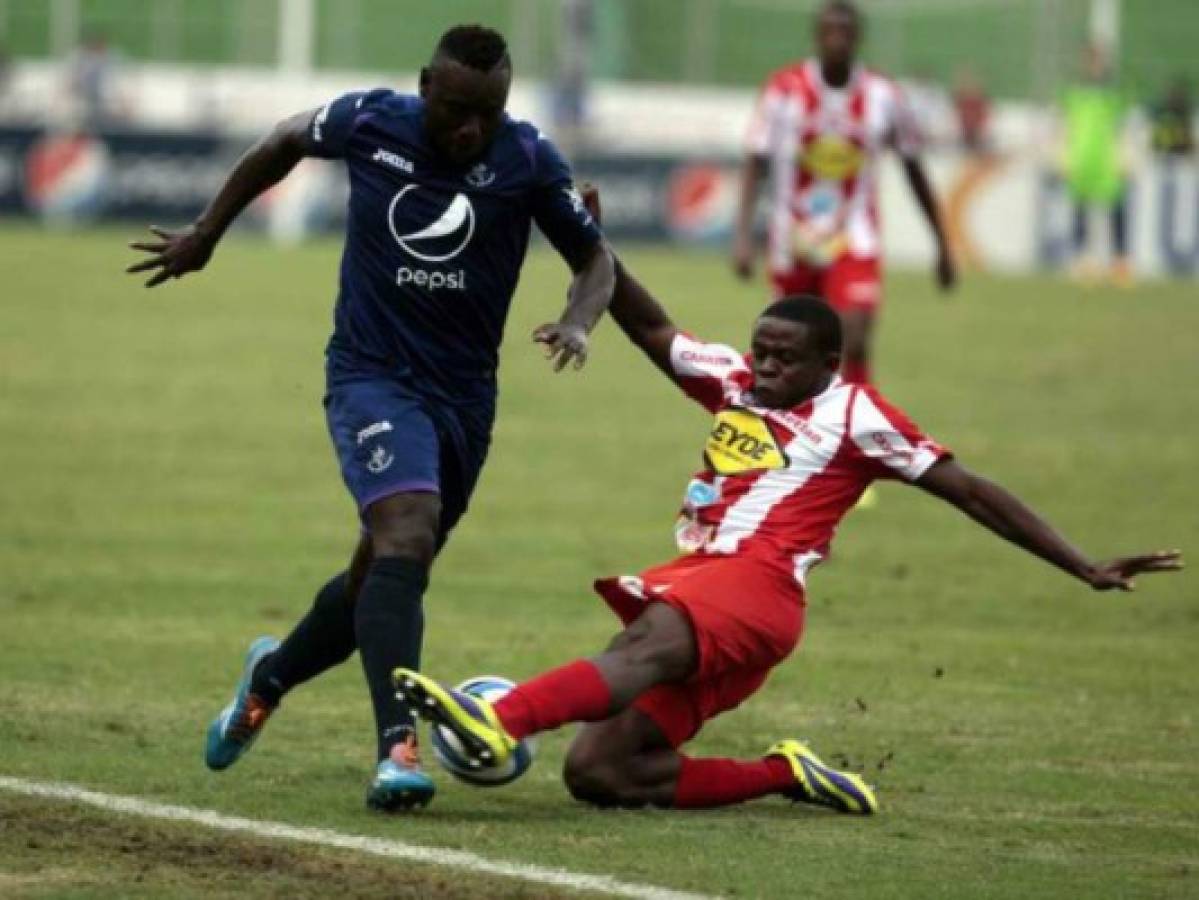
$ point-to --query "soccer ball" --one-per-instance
(448, 749)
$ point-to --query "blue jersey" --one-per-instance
(433, 251)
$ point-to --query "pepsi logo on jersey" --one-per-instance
(431, 227)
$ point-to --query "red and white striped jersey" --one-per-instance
(777, 482)
(823, 144)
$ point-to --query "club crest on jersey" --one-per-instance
(480, 176)
(741, 442)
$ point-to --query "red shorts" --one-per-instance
(849, 282)
(747, 618)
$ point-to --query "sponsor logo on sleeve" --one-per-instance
(318, 123)
(577, 204)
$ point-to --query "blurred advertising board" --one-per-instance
(1005, 213)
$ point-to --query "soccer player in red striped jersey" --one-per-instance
(819, 130)
(792, 447)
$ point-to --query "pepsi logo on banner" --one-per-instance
(66, 177)
(701, 202)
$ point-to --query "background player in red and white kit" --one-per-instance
(819, 129)
(792, 447)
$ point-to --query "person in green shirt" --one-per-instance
(1094, 112)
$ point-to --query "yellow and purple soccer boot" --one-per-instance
(239, 724)
(472, 719)
(817, 783)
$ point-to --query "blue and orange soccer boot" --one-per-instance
(471, 719)
(400, 783)
(817, 783)
(235, 729)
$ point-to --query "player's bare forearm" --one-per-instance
(1002, 512)
(588, 297)
(922, 190)
(176, 253)
(590, 290)
(753, 169)
(262, 166)
(642, 318)
(996, 508)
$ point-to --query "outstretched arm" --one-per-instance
(991, 505)
(178, 252)
(945, 272)
(643, 319)
(633, 308)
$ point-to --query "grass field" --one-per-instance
(169, 493)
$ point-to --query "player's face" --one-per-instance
(464, 107)
(787, 366)
(836, 37)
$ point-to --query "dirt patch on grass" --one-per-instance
(47, 848)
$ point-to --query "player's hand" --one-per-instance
(175, 253)
(563, 343)
(743, 258)
(1120, 574)
(945, 271)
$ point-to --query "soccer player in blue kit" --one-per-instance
(444, 187)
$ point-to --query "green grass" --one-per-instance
(169, 493)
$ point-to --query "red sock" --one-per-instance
(856, 371)
(575, 692)
(722, 782)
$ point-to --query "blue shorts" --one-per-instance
(390, 440)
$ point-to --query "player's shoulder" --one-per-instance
(789, 79)
(880, 83)
(524, 141)
(870, 409)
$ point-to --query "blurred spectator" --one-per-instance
(5, 76)
(1173, 141)
(973, 109)
(572, 84)
(1173, 121)
(1094, 112)
(90, 75)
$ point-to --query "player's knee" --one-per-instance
(405, 527)
(601, 783)
(584, 773)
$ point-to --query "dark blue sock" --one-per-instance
(389, 623)
(322, 639)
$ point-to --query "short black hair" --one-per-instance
(842, 6)
(476, 46)
(824, 325)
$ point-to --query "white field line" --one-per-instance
(434, 856)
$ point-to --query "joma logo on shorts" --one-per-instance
(371, 430)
